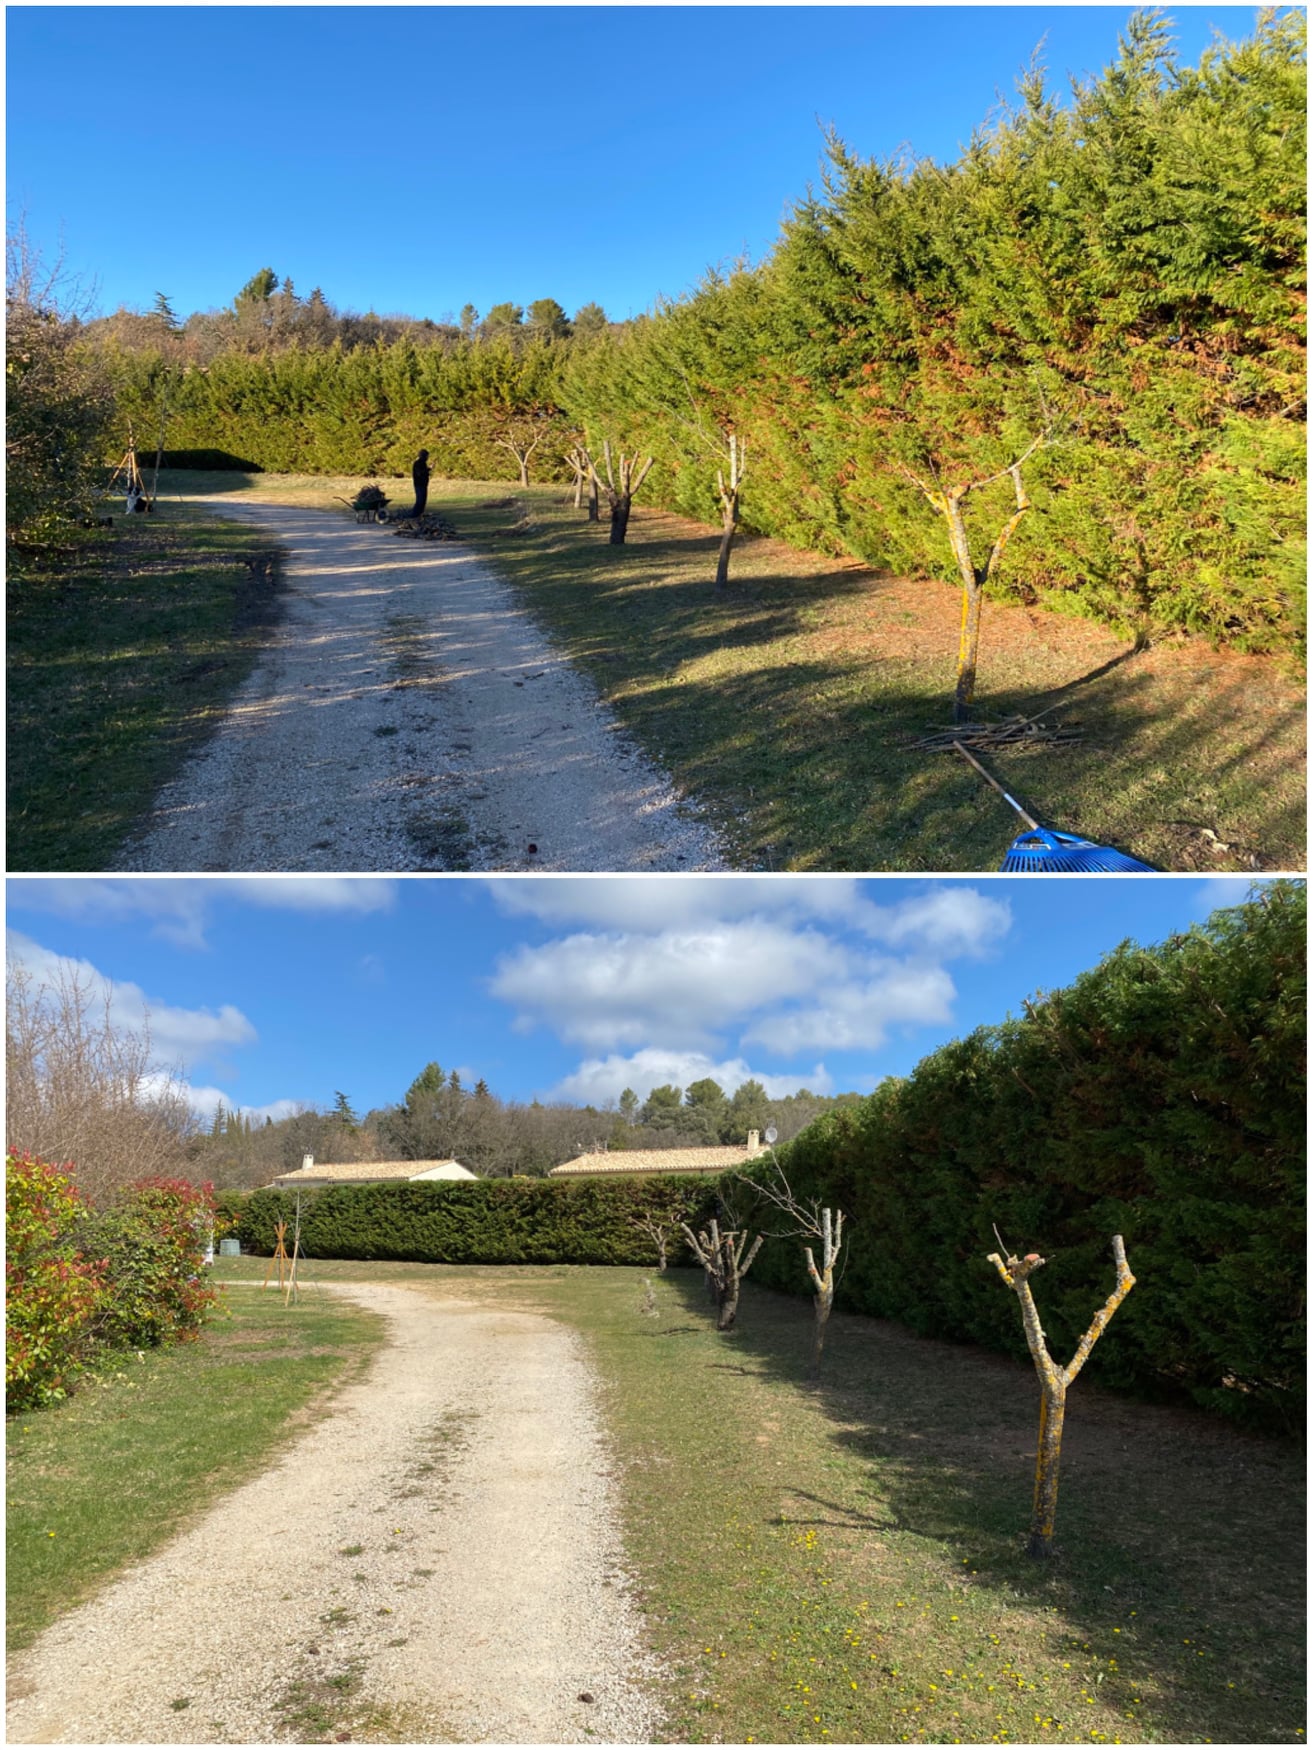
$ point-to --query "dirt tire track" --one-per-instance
(439, 1557)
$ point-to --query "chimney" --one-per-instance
(308, 1161)
(754, 1142)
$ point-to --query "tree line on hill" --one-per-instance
(1086, 331)
(440, 1118)
(82, 1085)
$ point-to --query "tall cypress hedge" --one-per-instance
(1161, 1096)
(1126, 270)
(487, 1221)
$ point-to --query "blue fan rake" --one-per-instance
(1041, 851)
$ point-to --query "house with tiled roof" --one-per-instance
(613, 1163)
(312, 1174)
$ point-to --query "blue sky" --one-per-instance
(415, 158)
(275, 991)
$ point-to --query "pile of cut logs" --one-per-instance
(426, 528)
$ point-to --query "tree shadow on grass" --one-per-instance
(1194, 1527)
(792, 705)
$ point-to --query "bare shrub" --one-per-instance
(82, 1087)
(58, 402)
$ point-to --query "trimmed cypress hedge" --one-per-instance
(1161, 1096)
(487, 1221)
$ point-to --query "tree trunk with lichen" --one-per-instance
(1054, 1380)
(950, 504)
(823, 1279)
(726, 1257)
(730, 492)
(620, 493)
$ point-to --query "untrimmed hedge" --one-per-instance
(1161, 1096)
(486, 1221)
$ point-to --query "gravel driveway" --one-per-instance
(410, 716)
(444, 1545)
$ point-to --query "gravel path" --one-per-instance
(410, 716)
(444, 1543)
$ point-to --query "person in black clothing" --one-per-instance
(420, 475)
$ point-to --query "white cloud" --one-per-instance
(943, 922)
(945, 919)
(676, 989)
(180, 906)
(858, 1015)
(204, 1101)
(653, 903)
(176, 1035)
(602, 1079)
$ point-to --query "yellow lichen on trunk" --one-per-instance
(1054, 1380)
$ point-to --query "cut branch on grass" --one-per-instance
(1054, 1380)
(621, 495)
(726, 1256)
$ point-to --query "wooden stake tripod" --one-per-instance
(129, 472)
(287, 1283)
(280, 1257)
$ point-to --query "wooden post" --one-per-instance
(279, 1256)
(296, 1252)
(1054, 1380)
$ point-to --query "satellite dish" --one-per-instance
(771, 1134)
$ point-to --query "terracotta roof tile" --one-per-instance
(653, 1160)
(347, 1173)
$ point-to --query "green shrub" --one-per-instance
(153, 1241)
(489, 1221)
(52, 1292)
(229, 1207)
(1161, 1096)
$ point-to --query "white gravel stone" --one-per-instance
(489, 1591)
(409, 715)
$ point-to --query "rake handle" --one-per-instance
(995, 785)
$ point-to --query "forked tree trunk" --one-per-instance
(729, 506)
(658, 1232)
(521, 451)
(620, 494)
(823, 1279)
(974, 577)
(581, 465)
(1054, 1380)
(726, 1258)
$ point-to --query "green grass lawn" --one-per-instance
(122, 656)
(132, 1457)
(846, 1564)
(789, 707)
